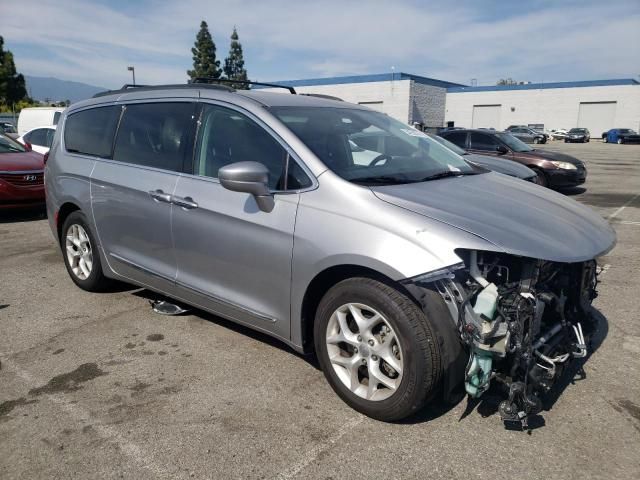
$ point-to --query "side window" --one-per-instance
(37, 137)
(480, 141)
(458, 138)
(227, 136)
(90, 132)
(56, 117)
(155, 135)
(50, 134)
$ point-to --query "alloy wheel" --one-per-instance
(79, 252)
(364, 351)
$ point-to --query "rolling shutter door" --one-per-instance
(486, 116)
(598, 117)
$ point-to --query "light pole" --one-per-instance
(133, 73)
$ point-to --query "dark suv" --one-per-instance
(581, 135)
(554, 169)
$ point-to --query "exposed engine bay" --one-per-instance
(522, 321)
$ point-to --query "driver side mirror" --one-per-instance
(248, 177)
(501, 149)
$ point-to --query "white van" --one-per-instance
(34, 117)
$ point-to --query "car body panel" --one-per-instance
(21, 179)
(500, 165)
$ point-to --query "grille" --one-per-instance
(23, 179)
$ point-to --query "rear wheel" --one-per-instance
(81, 255)
(536, 140)
(376, 348)
(620, 141)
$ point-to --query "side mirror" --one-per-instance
(501, 149)
(28, 147)
(248, 177)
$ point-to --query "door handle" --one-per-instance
(160, 196)
(186, 202)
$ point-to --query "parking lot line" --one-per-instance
(619, 210)
(83, 417)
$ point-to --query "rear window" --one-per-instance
(90, 132)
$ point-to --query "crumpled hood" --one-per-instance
(557, 156)
(518, 217)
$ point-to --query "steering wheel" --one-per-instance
(379, 158)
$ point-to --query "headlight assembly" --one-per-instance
(565, 165)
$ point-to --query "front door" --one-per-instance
(484, 144)
(234, 259)
(131, 194)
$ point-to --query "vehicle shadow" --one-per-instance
(233, 326)
(571, 191)
(23, 215)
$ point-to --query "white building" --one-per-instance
(597, 105)
(408, 98)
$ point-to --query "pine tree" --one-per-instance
(12, 85)
(204, 55)
(234, 63)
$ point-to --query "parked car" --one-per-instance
(581, 135)
(39, 139)
(506, 167)
(409, 277)
(620, 136)
(21, 175)
(8, 129)
(554, 169)
(526, 134)
(559, 134)
(34, 117)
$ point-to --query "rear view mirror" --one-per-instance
(248, 177)
(501, 149)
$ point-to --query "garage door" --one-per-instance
(486, 116)
(598, 117)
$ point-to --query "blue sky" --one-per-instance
(93, 41)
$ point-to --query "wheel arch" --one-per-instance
(64, 211)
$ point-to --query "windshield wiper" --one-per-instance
(445, 174)
(381, 179)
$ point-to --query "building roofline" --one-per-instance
(375, 77)
(542, 86)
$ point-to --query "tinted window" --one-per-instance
(38, 137)
(56, 117)
(155, 135)
(227, 136)
(91, 131)
(480, 141)
(457, 138)
(8, 145)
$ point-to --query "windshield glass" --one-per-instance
(371, 148)
(577, 130)
(514, 143)
(8, 145)
(8, 128)
(450, 145)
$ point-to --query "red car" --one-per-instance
(21, 175)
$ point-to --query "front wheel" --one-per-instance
(620, 141)
(81, 256)
(377, 348)
(536, 140)
(541, 177)
(604, 140)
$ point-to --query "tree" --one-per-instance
(12, 85)
(204, 55)
(509, 81)
(234, 63)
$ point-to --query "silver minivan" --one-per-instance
(411, 275)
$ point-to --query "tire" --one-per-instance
(604, 140)
(541, 177)
(566, 141)
(620, 141)
(411, 346)
(81, 256)
(536, 141)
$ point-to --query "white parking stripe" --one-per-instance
(618, 211)
(82, 416)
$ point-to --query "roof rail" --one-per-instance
(322, 95)
(209, 80)
(128, 87)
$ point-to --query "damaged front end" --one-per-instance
(522, 321)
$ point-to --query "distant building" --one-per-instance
(597, 105)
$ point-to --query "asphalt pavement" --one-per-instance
(99, 386)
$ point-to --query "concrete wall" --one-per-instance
(553, 107)
(427, 104)
(394, 95)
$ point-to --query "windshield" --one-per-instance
(627, 130)
(8, 145)
(450, 145)
(577, 130)
(371, 148)
(514, 143)
(8, 128)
